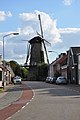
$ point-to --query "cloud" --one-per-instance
(69, 30)
(67, 2)
(17, 49)
(9, 14)
(4, 15)
(31, 25)
(70, 38)
(61, 39)
(28, 16)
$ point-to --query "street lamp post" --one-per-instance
(3, 51)
(53, 51)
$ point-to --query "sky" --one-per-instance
(60, 22)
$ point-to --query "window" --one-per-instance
(0, 75)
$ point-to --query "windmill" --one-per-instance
(35, 52)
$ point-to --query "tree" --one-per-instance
(18, 69)
(24, 72)
(42, 71)
(13, 65)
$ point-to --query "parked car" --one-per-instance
(53, 80)
(17, 80)
(61, 80)
(48, 79)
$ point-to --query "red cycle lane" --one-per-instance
(17, 105)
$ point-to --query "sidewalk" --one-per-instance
(10, 94)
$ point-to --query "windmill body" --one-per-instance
(36, 52)
(35, 57)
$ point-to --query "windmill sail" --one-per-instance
(28, 53)
(43, 39)
(40, 25)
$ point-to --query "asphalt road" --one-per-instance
(51, 102)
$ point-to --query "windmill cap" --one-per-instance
(36, 39)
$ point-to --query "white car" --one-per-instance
(17, 80)
(48, 79)
(61, 80)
